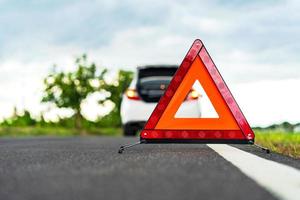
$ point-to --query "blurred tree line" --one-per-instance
(70, 89)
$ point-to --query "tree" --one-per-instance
(116, 89)
(69, 89)
(20, 119)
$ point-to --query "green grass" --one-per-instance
(285, 143)
(55, 131)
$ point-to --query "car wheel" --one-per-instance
(129, 130)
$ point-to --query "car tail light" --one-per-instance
(193, 95)
(132, 94)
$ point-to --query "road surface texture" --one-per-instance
(90, 168)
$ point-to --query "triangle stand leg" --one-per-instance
(122, 148)
(261, 147)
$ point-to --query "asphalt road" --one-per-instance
(90, 168)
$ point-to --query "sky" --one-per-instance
(253, 43)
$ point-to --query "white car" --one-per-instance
(144, 92)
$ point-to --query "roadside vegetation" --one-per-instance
(287, 143)
(33, 131)
(69, 90)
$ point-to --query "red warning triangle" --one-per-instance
(230, 127)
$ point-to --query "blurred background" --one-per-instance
(64, 65)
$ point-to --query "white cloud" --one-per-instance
(267, 102)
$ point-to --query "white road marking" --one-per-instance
(281, 180)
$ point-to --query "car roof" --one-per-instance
(156, 66)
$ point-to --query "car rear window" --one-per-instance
(152, 88)
(153, 80)
(156, 71)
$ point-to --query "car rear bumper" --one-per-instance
(137, 111)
